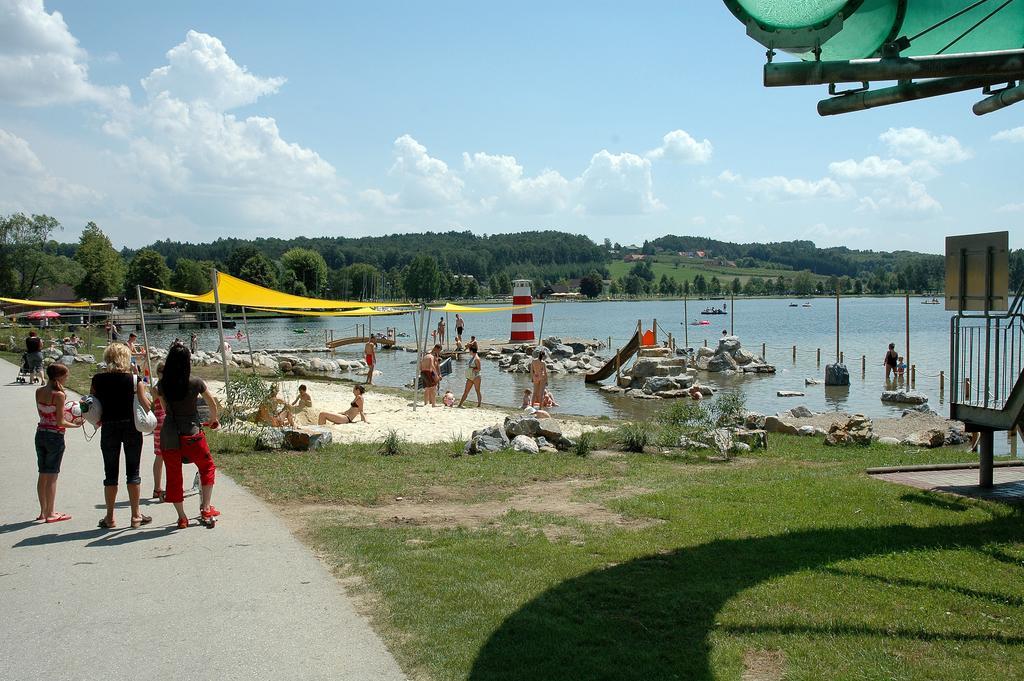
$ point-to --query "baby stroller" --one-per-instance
(25, 372)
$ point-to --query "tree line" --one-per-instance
(436, 265)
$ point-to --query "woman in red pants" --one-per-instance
(181, 436)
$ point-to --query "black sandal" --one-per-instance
(105, 524)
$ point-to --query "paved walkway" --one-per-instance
(243, 601)
(1008, 482)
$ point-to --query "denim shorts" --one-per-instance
(49, 450)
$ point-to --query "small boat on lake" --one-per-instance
(713, 310)
(933, 301)
(806, 305)
(298, 331)
(700, 322)
(793, 305)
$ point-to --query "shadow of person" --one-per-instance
(651, 618)
(14, 527)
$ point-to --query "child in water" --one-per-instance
(901, 367)
(527, 399)
(448, 399)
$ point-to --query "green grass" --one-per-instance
(688, 268)
(795, 552)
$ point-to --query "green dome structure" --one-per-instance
(931, 47)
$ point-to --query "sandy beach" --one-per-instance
(389, 412)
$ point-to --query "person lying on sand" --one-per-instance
(274, 411)
(350, 414)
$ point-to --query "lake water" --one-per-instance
(867, 326)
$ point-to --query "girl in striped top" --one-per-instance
(50, 400)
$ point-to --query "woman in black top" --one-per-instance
(116, 389)
(891, 357)
(181, 436)
(34, 356)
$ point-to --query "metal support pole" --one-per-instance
(913, 375)
(863, 366)
(905, 92)
(543, 313)
(145, 334)
(942, 381)
(906, 354)
(220, 332)
(985, 463)
(819, 356)
(248, 339)
(999, 100)
(654, 330)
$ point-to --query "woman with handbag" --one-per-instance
(182, 436)
(118, 392)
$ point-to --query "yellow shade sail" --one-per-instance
(235, 291)
(50, 303)
(358, 312)
(469, 309)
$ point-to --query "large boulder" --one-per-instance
(269, 439)
(722, 361)
(728, 344)
(743, 357)
(484, 443)
(562, 352)
(306, 439)
(903, 396)
(522, 443)
(550, 429)
(705, 352)
(645, 367)
(521, 425)
(753, 438)
(801, 412)
(658, 384)
(856, 430)
(773, 424)
(656, 352)
(837, 374)
(754, 421)
(928, 438)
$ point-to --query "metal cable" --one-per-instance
(948, 19)
(979, 23)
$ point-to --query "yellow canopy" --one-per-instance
(468, 309)
(48, 303)
(235, 291)
(359, 312)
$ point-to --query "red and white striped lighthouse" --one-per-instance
(522, 322)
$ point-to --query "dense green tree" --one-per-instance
(700, 284)
(667, 286)
(634, 285)
(24, 263)
(239, 256)
(591, 285)
(103, 268)
(615, 287)
(472, 288)
(361, 276)
(423, 279)
(147, 268)
(308, 267)
(259, 270)
(643, 270)
(714, 286)
(191, 276)
(736, 286)
(803, 283)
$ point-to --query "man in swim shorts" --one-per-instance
(370, 350)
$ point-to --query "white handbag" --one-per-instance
(92, 410)
(145, 421)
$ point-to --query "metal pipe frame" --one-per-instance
(1000, 65)
(861, 101)
(1000, 100)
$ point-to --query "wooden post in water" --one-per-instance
(686, 325)
(838, 357)
(705, 342)
(942, 382)
(819, 356)
(732, 315)
(654, 330)
(913, 375)
(842, 357)
(863, 366)
(763, 346)
(794, 354)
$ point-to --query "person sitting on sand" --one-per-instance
(448, 399)
(548, 400)
(302, 400)
(274, 411)
(349, 415)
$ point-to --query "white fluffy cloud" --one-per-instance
(617, 184)
(781, 188)
(915, 143)
(904, 200)
(200, 70)
(426, 182)
(499, 183)
(1011, 208)
(678, 145)
(41, 62)
(877, 168)
(1011, 135)
(30, 187)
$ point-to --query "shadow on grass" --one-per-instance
(936, 501)
(651, 618)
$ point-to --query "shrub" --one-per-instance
(685, 416)
(392, 445)
(245, 393)
(729, 408)
(584, 444)
(633, 437)
(455, 445)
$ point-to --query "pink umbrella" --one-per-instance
(43, 314)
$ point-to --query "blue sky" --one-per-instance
(193, 120)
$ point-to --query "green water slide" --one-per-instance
(956, 44)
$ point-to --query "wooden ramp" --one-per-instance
(620, 359)
(353, 340)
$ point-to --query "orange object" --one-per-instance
(647, 340)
